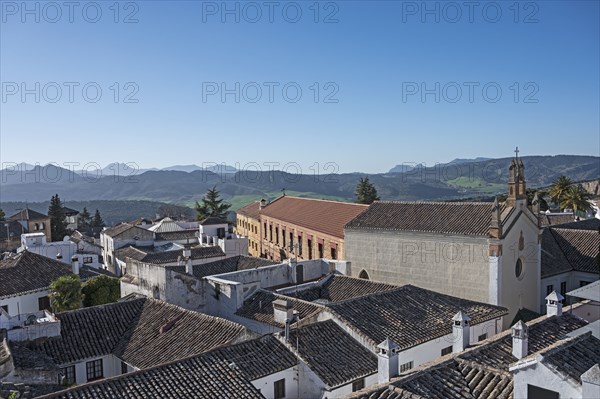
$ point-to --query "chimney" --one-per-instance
(263, 203)
(187, 257)
(75, 264)
(554, 304)
(520, 340)
(282, 311)
(590, 383)
(461, 331)
(387, 360)
(59, 257)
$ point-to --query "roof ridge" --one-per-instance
(317, 199)
(436, 202)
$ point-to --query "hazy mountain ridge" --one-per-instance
(445, 181)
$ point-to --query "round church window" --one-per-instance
(519, 268)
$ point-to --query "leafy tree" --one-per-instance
(576, 198)
(65, 293)
(2, 215)
(365, 192)
(85, 219)
(97, 220)
(211, 205)
(58, 223)
(101, 290)
(559, 187)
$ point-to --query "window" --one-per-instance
(87, 259)
(69, 373)
(279, 389)
(519, 268)
(333, 253)
(563, 290)
(283, 236)
(447, 351)
(534, 392)
(549, 289)
(265, 224)
(94, 370)
(406, 366)
(299, 245)
(320, 249)
(358, 385)
(309, 248)
(482, 337)
(5, 307)
(277, 235)
(124, 368)
(44, 303)
(271, 233)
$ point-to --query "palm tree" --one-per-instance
(559, 187)
(578, 199)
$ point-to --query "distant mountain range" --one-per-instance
(183, 184)
(410, 166)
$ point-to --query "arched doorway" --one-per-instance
(363, 274)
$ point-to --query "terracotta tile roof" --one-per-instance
(580, 248)
(565, 249)
(28, 271)
(336, 288)
(221, 373)
(480, 372)
(27, 214)
(226, 265)
(462, 218)
(177, 235)
(147, 254)
(524, 315)
(586, 224)
(410, 315)
(332, 353)
(212, 220)
(123, 227)
(201, 377)
(573, 357)
(259, 307)
(143, 332)
(328, 217)
(259, 357)
(549, 219)
(543, 332)
(252, 210)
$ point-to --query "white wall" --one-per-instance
(345, 390)
(539, 375)
(266, 387)
(110, 364)
(431, 350)
(23, 304)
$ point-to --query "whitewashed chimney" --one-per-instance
(520, 340)
(387, 360)
(187, 257)
(590, 383)
(282, 311)
(75, 264)
(554, 304)
(461, 330)
(59, 257)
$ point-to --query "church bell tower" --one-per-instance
(516, 180)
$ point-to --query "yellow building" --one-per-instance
(248, 225)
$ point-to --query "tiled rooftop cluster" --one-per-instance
(142, 332)
(481, 372)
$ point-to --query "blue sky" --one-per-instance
(369, 60)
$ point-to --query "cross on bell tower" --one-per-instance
(516, 180)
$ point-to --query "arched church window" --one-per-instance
(364, 275)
